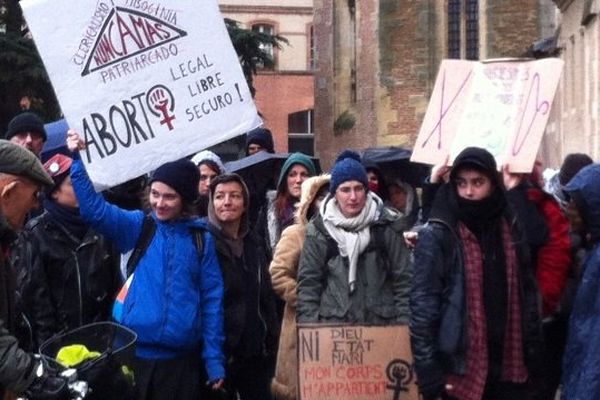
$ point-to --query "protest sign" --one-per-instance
(143, 82)
(502, 106)
(354, 362)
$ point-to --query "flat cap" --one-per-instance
(17, 160)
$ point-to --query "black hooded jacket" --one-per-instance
(438, 297)
(251, 326)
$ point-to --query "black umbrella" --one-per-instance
(394, 162)
(260, 171)
(262, 165)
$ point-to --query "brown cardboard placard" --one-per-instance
(355, 362)
(500, 105)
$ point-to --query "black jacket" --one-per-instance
(64, 282)
(16, 366)
(242, 277)
(438, 309)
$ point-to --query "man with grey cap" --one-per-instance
(21, 178)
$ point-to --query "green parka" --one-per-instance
(383, 277)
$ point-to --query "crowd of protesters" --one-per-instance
(495, 273)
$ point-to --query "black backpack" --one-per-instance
(148, 231)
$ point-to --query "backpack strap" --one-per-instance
(148, 231)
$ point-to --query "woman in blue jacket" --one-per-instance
(175, 300)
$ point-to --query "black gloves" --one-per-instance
(45, 386)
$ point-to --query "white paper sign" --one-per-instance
(502, 106)
(144, 82)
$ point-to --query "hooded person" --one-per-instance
(581, 363)
(179, 320)
(571, 165)
(284, 274)
(250, 317)
(68, 273)
(369, 259)
(473, 261)
(376, 180)
(259, 139)
(210, 166)
(402, 198)
(278, 212)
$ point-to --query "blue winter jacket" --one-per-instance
(174, 305)
(581, 366)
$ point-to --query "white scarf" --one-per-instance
(352, 235)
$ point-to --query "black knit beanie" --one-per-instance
(478, 159)
(261, 137)
(26, 122)
(181, 175)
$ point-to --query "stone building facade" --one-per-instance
(573, 124)
(284, 94)
(376, 61)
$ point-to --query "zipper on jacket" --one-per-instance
(78, 268)
(263, 344)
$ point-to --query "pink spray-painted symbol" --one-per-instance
(534, 108)
(161, 103)
(444, 108)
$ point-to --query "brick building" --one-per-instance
(376, 61)
(284, 94)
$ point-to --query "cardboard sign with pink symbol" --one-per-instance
(500, 105)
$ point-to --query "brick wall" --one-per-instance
(512, 26)
(277, 96)
(399, 47)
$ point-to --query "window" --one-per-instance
(472, 28)
(454, 29)
(300, 132)
(463, 29)
(267, 48)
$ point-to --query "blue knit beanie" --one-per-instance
(181, 175)
(348, 168)
(296, 158)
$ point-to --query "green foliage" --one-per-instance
(248, 45)
(344, 122)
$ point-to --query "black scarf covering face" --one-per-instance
(68, 217)
(484, 219)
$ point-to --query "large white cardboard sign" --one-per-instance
(502, 106)
(144, 82)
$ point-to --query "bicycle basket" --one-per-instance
(116, 345)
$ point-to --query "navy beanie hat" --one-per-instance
(262, 137)
(296, 158)
(181, 175)
(348, 168)
(26, 122)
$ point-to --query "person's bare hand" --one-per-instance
(74, 142)
(218, 385)
(511, 180)
(440, 172)
(410, 239)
